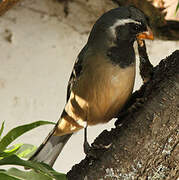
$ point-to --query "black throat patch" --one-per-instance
(122, 55)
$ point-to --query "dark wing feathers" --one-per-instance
(77, 70)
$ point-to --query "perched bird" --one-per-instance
(102, 79)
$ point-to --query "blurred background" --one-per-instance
(39, 42)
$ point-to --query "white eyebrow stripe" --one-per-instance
(122, 22)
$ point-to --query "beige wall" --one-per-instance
(38, 47)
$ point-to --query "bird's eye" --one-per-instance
(136, 28)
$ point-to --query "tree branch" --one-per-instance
(146, 145)
(5, 5)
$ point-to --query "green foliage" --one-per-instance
(18, 131)
(1, 130)
(12, 156)
(16, 174)
(21, 150)
(9, 151)
(177, 7)
(26, 150)
(40, 170)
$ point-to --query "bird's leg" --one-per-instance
(86, 145)
(93, 151)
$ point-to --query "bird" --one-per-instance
(102, 78)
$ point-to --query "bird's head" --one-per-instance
(120, 24)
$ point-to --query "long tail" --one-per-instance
(50, 149)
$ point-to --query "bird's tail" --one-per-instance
(49, 150)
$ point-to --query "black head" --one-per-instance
(120, 24)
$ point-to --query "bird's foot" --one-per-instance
(137, 104)
(86, 147)
(94, 150)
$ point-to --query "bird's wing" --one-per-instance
(52, 146)
(77, 70)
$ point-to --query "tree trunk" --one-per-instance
(146, 145)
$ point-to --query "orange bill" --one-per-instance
(146, 35)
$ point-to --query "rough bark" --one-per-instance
(5, 5)
(146, 145)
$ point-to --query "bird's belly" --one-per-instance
(109, 94)
(98, 97)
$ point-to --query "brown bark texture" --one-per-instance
(5, 5)
(146, 146)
